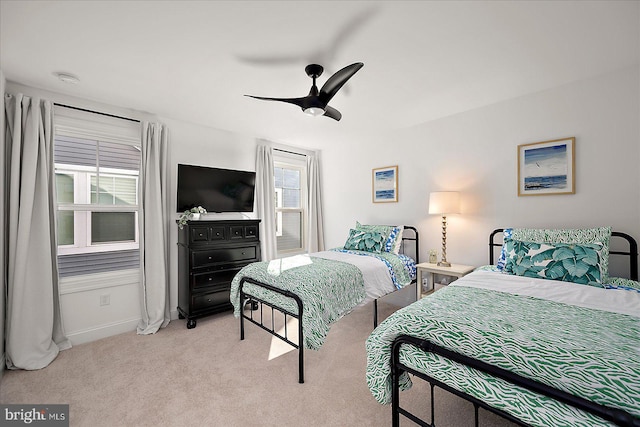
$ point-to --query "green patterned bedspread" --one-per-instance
(329, 289)
(590, 353)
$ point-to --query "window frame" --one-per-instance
(82, 222)
(292, 162)
(91, 126)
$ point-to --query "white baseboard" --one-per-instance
(108, 330)
(102, 331)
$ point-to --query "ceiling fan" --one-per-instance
(315, 103)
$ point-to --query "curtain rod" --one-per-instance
(290, 152)
(96, 112)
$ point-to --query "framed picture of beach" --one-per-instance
(546, 167)
(385, 184)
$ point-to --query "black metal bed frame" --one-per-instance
(257, 304)
(617, 416)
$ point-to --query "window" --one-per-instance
(290, 172)
(97, 174)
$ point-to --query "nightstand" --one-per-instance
(456, 270)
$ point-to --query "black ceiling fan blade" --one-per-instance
(300, 102)
(333, 113)
(335, 82)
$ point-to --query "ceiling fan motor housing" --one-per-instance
(314, 70)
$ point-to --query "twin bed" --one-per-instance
(318, 289)
(539, 352)
(543, 338)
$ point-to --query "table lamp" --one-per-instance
(443, 203)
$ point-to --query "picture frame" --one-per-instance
(385, 184)
(547, 167)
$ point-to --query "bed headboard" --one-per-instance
(412, 239)
(632, 253)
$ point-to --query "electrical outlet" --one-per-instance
(105, 299)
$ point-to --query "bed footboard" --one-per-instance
(257, 305)
(617, 416)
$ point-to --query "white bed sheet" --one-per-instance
(613, 300)
(377, 279)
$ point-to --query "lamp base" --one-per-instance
(444, 264)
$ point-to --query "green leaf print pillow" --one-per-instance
(581, 236)
(392, 234)
(568, 262)
(370, 241)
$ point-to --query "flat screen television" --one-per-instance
(216, 190)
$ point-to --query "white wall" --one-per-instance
(203, 146)
(475, 153)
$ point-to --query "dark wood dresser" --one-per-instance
(210, 253)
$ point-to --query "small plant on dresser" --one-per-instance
(193, 213)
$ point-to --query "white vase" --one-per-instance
(196, 216)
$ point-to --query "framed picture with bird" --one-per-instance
(547, 167)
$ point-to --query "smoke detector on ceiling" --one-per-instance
(67, 77)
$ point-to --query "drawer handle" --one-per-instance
(244, 253)
(217, 234)
(209, 257)
(210, 278)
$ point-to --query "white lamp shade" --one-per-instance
(444, 202)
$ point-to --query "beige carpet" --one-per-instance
(207, 377)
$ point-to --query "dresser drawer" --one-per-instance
(236, 232)
(211, 299)
(218, 233)
(215, 256)
(214, 278)
(251, 232)
(199, 234)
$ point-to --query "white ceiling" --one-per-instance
(194, 60)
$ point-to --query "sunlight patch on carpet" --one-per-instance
(279, 347)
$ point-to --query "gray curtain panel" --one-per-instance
(315, 232)
(265, 196)
(153, 226)
(3, 223)
(34, 331)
